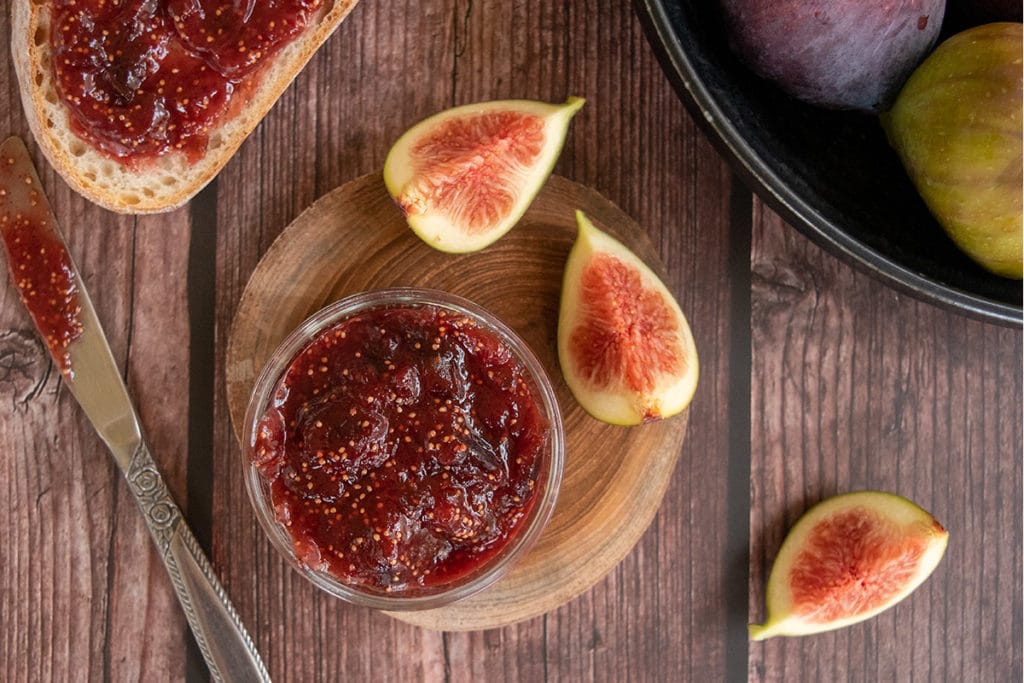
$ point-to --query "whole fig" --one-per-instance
(842, 54)
(956, 125)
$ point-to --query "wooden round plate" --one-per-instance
(355, 239)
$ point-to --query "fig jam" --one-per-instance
(402, 447)
(39, 262)
(144, 77)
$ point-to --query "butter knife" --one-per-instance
(52, 290)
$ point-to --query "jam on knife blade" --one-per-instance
(53, 293)
(39, 262)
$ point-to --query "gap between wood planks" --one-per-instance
(201, 292)
(201, 289)
(735, 583)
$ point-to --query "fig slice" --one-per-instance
(626, 350)
(847, 559)
(465, 176)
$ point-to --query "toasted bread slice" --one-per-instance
(170, 180)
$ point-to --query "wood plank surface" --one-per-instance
(546, 51)
(858, 387)
(79, 580)
(354, 239)
(814, 380)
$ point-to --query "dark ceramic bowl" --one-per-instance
(830, 174)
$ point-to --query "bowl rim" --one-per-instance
(281, 359)
(698, 98)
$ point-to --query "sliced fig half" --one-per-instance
(847, 559)
(465, 176)
(624, 345)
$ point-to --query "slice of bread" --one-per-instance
(169, 180)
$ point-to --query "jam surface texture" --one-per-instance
(144, 77)
(402, 448)
(39, 262)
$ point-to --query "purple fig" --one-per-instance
(841, 54)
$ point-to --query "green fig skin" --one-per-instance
(956, 126)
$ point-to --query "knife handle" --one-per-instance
(227, 648)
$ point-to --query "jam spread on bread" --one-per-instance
(145, 77)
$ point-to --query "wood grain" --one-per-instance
(354, 239)
(850, 385)
(662, 613)
(857, 387)
(79, 580)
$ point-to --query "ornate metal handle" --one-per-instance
(226, 646)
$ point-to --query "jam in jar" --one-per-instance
(404, 447)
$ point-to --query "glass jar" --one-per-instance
(500, 555)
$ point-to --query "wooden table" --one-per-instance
(815, 380)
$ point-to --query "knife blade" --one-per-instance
(52, 290)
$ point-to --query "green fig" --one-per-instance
(956, 125)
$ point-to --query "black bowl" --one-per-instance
(831, 174)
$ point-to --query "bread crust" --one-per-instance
(171, 179)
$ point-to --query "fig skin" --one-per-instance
(912, 524)
(840, 54)
(613, 379)
(956, 126)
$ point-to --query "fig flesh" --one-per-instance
(465, 176)
(956, 126)
(624, 345)
(847, 559)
